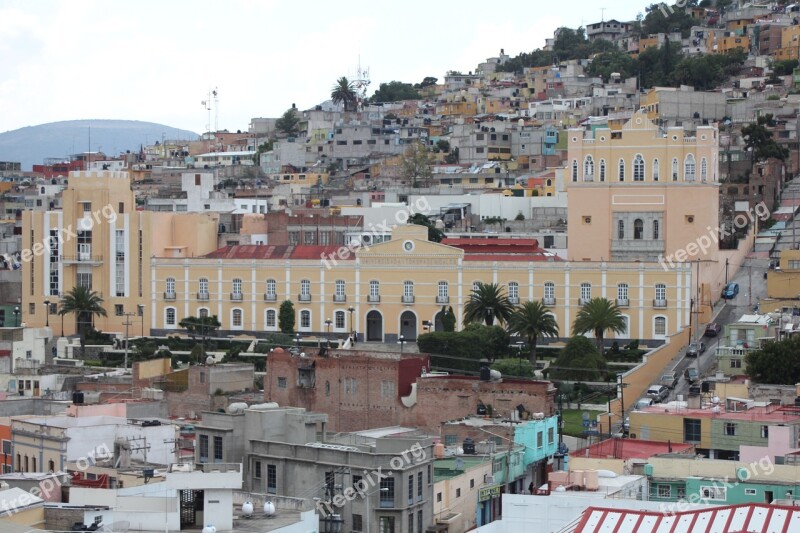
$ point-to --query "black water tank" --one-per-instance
(481, 410)
(77, 398)
(486, 373)
(469, 446)
(704, 386)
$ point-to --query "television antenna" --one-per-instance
(207, 106)
(361, 83)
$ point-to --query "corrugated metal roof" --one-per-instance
(722, 519)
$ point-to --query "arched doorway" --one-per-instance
(408, 325)
(374, 326)
(438, 325)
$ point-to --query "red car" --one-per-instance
(713, 329)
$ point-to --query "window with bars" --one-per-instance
(602, 170)
(203, 448)
(621, 173)
(305, 319)
(660, 326)
(236, 318)
(170, 316)
(271, 320)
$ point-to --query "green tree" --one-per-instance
(579, 360)
(784, 67)
(416, 164)
(777, 362)
(434, 233)
(84, 304)
(452, 157)
(606, 63)
(263, 148)
(289, 123)
(204, 326)
(443, 145)
(286, 317)
(758, 140)
(344, 92)
(514, 366)
(532, 320)
(599, 315)
(448, 318)
(487, 303)
(668, 19)
(395, 91)
(427, 81)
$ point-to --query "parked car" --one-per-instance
(695, 349)
(730, 291)
(641, 403)
(658, 393)
(713, 329)
(691, 374)
(669, 379)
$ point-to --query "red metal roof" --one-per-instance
(264, 251)
(717, 519)
(486, 249)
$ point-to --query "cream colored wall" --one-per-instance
(664, 427)
(714, 468)
(466, 503)
(28, 517)
(32, 446)
(154, 368)
(578, 462)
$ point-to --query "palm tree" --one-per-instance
(532, 320)
(599, 315)
(84, 303)
(344, 92)
(487, 302)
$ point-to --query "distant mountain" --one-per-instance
(31, 145)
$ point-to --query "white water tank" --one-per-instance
(268, 405)
(209, 529)
(236, 408)
(269, 508)
(247, 509)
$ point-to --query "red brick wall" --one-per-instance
(371, 405)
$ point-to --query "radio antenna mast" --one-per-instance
(216, 109)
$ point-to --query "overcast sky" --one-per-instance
(157, 61)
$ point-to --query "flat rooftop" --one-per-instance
(764, 414)
(630, 449)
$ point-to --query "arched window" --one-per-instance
(621, 170)
(305, 319)
(638, 229)
(236, 318)
(703, 170)
(638, 168)
(202, 312)
(574, 170)
(659, 326)
(271, 320)
(588, 168)
(620, 229)
(655, 230)
(689, 168)
(169, 317)
(338, 320)
(602, 170)
(675, 169)
(655, 169)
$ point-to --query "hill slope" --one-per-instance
(31, 145)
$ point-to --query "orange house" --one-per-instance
(6, 457)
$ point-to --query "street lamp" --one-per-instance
(351, 310)
(328, 323)
(402, 341)
(47, 313)
(427, 325)
(16, 316)
(297, 342)
(141, 314)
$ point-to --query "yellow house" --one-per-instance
(790, 44)
(722, 42)
(301, 178)
(21, 508)
(784, 281)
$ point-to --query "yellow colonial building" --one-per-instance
(400, 286)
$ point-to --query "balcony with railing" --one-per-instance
(442, 299)
(407, 299)
(82, 258)
(236, 297)
(373, 298)
(549, 301)
(513, 300)
(202, 296)
(623, 302)
(659, 303)
(339, 297)
(304, 297)
(583, 301)
(169, 295)
(270, 297)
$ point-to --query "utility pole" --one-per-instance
(726, 270)
(126, 324)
